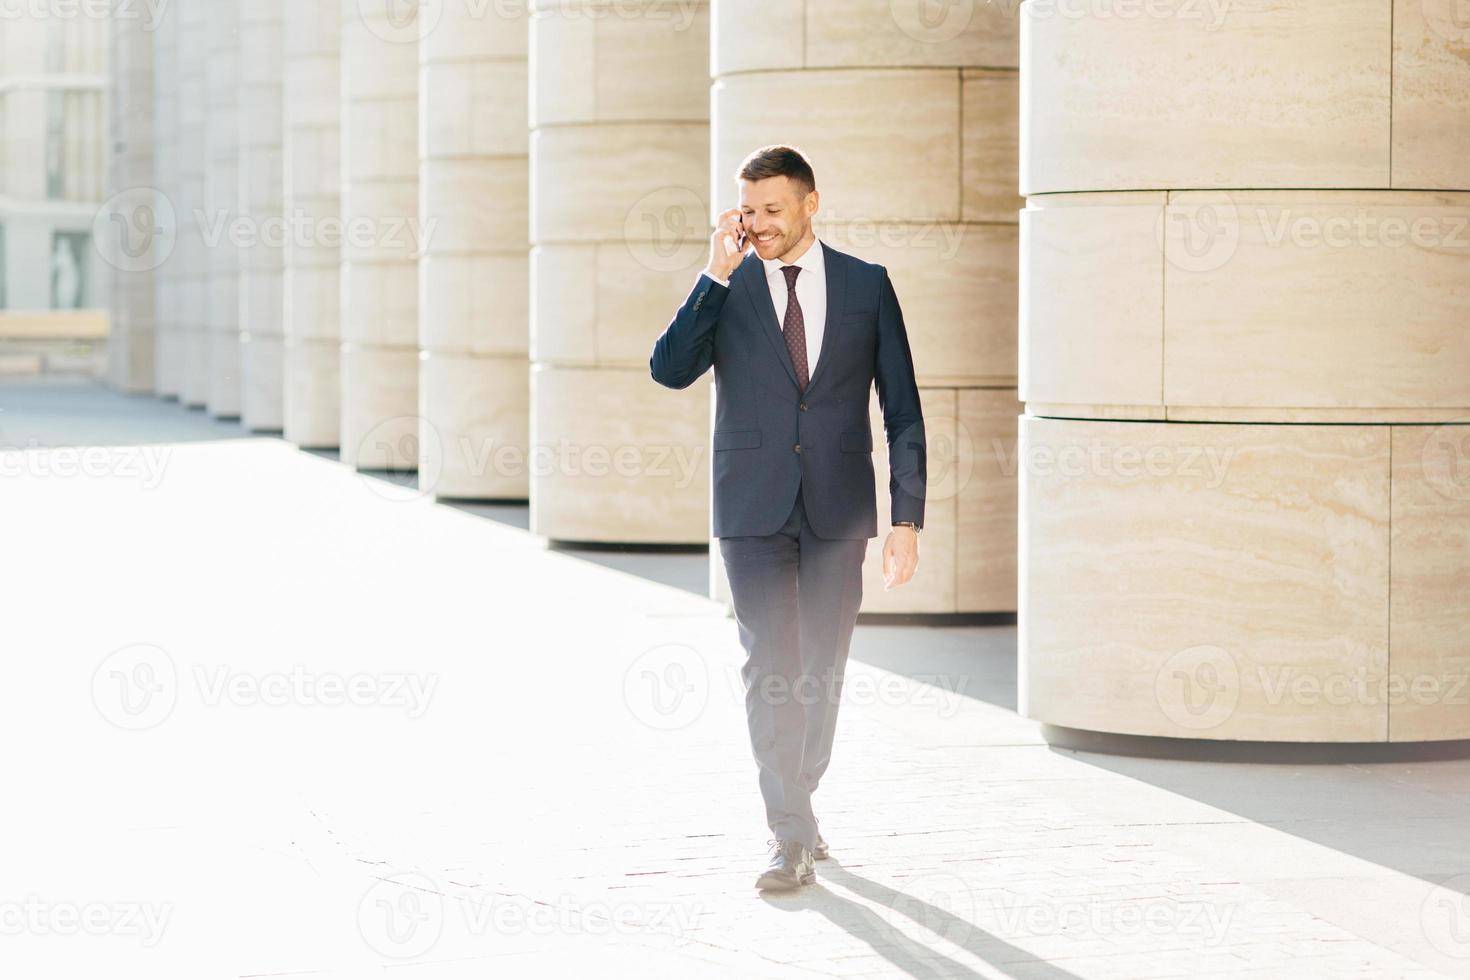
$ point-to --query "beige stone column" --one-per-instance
(262, 354)
(619, 231)
(474, 285)
(220, 225)
(379, 366)
(907, 111)
(1245, 457)
(192, 279)
(132, 340)
(168, 341)
(311, 198)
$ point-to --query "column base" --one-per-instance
(639, 474)
(224, 375)
(312, 393)
(380, 424)
(261, 360)
(475, 425)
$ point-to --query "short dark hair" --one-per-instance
(779, 160)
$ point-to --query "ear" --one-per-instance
(813, 202)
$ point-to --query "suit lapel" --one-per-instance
(752, 276)
(752, 281)
(832, 262)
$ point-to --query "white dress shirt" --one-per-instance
(811, 293)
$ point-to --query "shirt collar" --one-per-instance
(811, 261)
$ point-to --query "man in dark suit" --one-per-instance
(797, 333)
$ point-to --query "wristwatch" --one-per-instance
(911, 524)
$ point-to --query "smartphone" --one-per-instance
(734, 245)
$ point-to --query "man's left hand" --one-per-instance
(900, 557)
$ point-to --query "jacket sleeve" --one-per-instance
(903, 415)
(686, 349)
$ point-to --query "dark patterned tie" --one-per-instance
(794, 326)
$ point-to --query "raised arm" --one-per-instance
(686, 349)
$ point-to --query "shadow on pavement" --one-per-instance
(914, 957)
(1403, 807)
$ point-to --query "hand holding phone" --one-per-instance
(727, 244)
(735, 245)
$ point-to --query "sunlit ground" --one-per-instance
(266, 716)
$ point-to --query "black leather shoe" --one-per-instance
(820, 851)
(790, 867)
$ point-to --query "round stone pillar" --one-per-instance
(311, 199)
(191, 281)
(1245, 457)
(132, 340)
(619, 232)
(219, 224)
(474, 274)
(910, 124)
(261, 339)
(168, 341)
(380, 343)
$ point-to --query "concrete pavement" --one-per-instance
(270, 717)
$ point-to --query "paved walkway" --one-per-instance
(267, 717)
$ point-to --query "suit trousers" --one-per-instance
(796, 599)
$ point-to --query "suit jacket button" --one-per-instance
(797, 447)
(803, 406)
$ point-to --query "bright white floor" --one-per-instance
(266, 717)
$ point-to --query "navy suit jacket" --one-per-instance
(769, 437)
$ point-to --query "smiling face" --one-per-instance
(778, 216)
